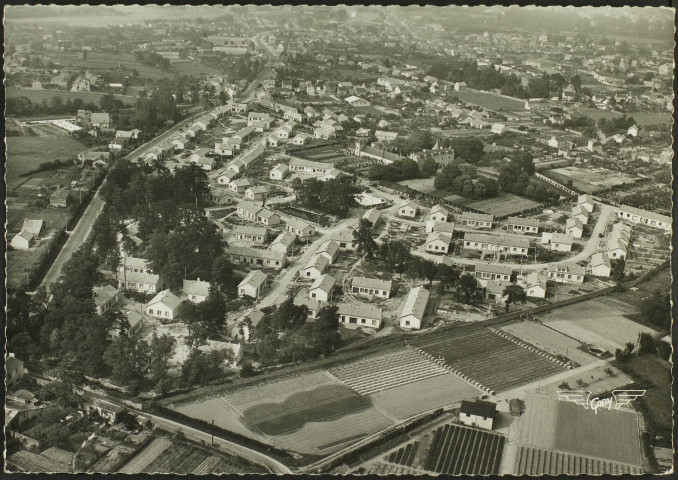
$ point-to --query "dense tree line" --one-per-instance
(516, 177)
(152, 59)
(399, 170)
(334, 197)
(616, 125)
(582, 123)
(24, 106)
(460, 178)
(470, 150)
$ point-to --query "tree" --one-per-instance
(646, 343)
(664, 349)
(513, 293)
(364, 238)
(201, 368)
(107, 102)
(618, 270)
(396, 255)
(656, 309)
(161, 351)
(325, 331)
(223, 274)
(470, 150)
(448, 275)
(468, 285)
(127, 358)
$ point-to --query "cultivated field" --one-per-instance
(382, 372)
(144, 458)
(549, 340)
(537, 426)
(643, 118)
(108, 61)
(418, 397)
(502, 205)
(26, 153)
(536, 461)
(458, 450)
(590, 179)
(599, 321)
(184, 458)
(490, 101)
(492, 360)
(37, 96)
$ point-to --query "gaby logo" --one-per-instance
(583, 398)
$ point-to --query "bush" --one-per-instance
(663, 349)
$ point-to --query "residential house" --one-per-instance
(252, 234)
(382, 135)
(585, 201)
(600, 265)
(301, 139)
(252, 285)
(279, 172)
(581, 214)
(164, 305)
(283, 243)
(235, 350)
(479, 414)
(566, 273)
(22, 240)
(104, 298)
(344, 238)
(534, 284)
(139, 281)
(299, 227)
(100, 119)
(240, 185)
(492, 271)
(134, 264)
(498, 128)
(438, 214)
(227, 177)
(14, 370)
(560, 242)
(354, 315)
(60, 198)
(372, 215)
(310, 167)
(523, 225)
(496, 244)
(257, 193)
(444, 227)
(356, 101)
(181, 142)
(477, 220)
(322, 287)
(644, 217)
(414, 309)
(329, 249)
(255, 256)
(574, 227)
(408, 210)
(438, 242)
(196, 290)
(371, 287)
(315, 267)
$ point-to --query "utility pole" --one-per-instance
(212, 432)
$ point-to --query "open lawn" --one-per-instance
(194, 69)
(643, 118)
(418, 397)
(108, 61)
(550, 341)
(502, 205)
(598, 321)
(25, 153)
(424, 185)
(490, 101)
(609, 434)
(37, 96)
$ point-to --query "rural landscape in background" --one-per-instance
(345, 240)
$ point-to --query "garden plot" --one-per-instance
(597, 381)
(546, 339)
(599, 321)
(537, 461)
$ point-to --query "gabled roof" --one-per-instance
(297, 223)
(563, 268)
(134, 262)
(104, 294)
(319, 262)
(529, 222)
(574, 222)
(324, 282)
(373, 215)
(256, 253)
(255, 278)
(579, 210)
(446, 238)
(478, 408)
(372, 283)
(250, 207)
(494, 268)
(33, 227)
(251, 230)
(196, 287)
(599, 259)
(557, 237)
(359, 310)
(167, 298)
(439, 209)
(285, 238)
(140, 277)
(330, 247)
(483, 217)
(415, 303)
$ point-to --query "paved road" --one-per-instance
(226, 445)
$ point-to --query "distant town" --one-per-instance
(345, 240)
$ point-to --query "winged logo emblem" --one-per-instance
(623, 398)
(580, 397)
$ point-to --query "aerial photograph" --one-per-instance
(345, 240)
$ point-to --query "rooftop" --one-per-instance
(415, 303)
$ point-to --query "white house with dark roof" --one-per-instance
(196, 290)
(371, 287)
(315, 267)
(559, 242)
(492, 271)
(104, 298)
(408, 210)
(562, 273)
(581, 214)
(414, 309)
(283, 243)
(164, 305)
(354, 315)
(477, 220)
(322, 287)
(299, 227)
(644, 217)
(329, 249)
(252, 285)
(523, 225)
(479, 414)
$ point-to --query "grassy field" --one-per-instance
(502, 205)
(418, 397)
(643, 118)
(37, 96)
(661, 281)
(658, 396)
(599, 321)
(108, 61)
(322, 404)
(546, 339)
(194, 69)
(490, 101)
(609, 434)
(590, 179)
(26, 153)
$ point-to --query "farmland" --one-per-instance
(108, 61)
(643, 118)
(184, 458)
(458, 450)
(25, 153)
(537, 461)
(38, 96)
(590, 179)
(502, 205)
(144, 458)
(549, 340)
(424, 395)
(490, 101)
(599, 321)
(491, 360)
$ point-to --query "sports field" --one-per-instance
(405, 401)
(598, 321)
(549, 340)
(490, 101)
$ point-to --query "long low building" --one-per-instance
(371, 287)
(643, 217)
(496, 243)
(566, 273)
(309, 167)
(359, 315)
(256, 256)
(414, 309)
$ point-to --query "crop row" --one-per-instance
(536, 461)
(458, 450)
